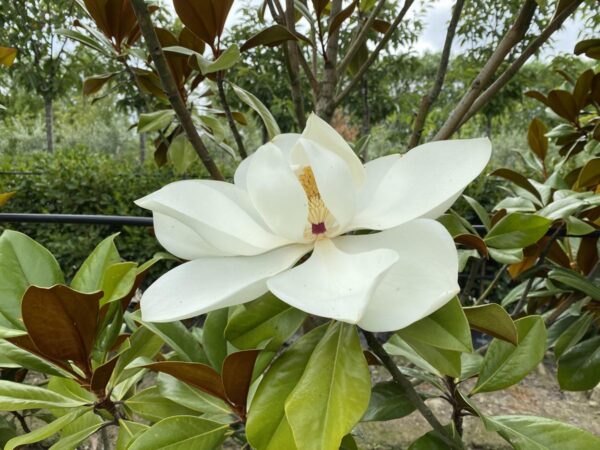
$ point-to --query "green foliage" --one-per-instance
(73, 182)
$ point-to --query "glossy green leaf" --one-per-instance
(576, 281)
(573, 334)
(579, 367)
(266, 321)
(333, 393)
(506, 256)
(18, 396)
(128, 432)
(183, 394)
(505, 364)
(44, 432)
(149, 404)
(213, 337)
(99, 46)
(562, 208)
(517, 230)
(445, 362)
(117, 281)
(182, 154)
(7, 431)
(13, 356)
(446, 328)
(23, 262)
(539, 433)
(492, 319)
(267, 427)
(177, 336)
(141, 344)
(270, 36)
(388, 402)
(470, 365)
(89, 276)
(264, 113)
(182, 433)
(226, 60)
(72, 441)
(482, 214)
(155, 121)
(71, 389)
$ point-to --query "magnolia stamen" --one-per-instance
(317, 211)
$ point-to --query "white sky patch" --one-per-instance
(436, 20)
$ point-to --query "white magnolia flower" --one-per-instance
(304, 193)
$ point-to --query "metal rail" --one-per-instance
(136, 221)
(76, 219)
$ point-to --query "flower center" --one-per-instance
(317, 211)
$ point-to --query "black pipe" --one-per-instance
(20, 173)
(76, 219)
(142, 221)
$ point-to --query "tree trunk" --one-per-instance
(325, 106)
(49, 124)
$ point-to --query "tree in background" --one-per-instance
(44, 59)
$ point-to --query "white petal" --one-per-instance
(332, 283)
(424, 278)
(180, 240)
(206, 284)
(221, 213)
(333, 178)
(239, 177)
(375, 171)
(325, 135)
(277, 194)
(285, 142)
(423, 183)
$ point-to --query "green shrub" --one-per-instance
(71, 182)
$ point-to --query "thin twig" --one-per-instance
(491, 286)
(408, 388)
(510, 72)
(166, 77)
(538, 264)
(430, 98)
(512, 37)
(22, 421)
(360, 39)
(374, 54)
(236, 134)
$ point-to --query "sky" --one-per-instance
(436, 19)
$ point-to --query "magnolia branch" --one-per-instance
(360, 39)
(170, 88)
(374, 54)
(409, 390)
(227, 110)
(516, 65)
(430, 98)
(512, 37)
(293, 55)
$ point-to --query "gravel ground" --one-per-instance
(538, 394)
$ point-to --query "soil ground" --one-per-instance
(538, 394)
